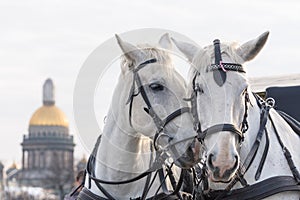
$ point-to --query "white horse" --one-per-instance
(147, 108)
(240, 132)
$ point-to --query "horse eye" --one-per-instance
(156, 87)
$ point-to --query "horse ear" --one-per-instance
(165, 41)
(131, 52)
(250, 49)
(188, 49)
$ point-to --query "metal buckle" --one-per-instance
(270, 102)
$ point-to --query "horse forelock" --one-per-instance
(161, 55)
(205, 57)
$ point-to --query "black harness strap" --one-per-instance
(91, 163)
(104, 191)
(165, 121)
(155, 166)
(218, 57)
(193, 100)
(162, 178)
(176, 187)
(218, 128)
(245, 125)
(219, 75)
(263, 189)
(245, 165)
(266, 187)
(264, 156)
(147, 184)
(175, 114)
(287, 154)
(137, 79)
(160, 154)
(251, 155)
(196, 88)
(179, 184)
(85, 194)
(159, 123)
(294, 124)
(228, 67)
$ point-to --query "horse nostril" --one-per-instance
(236, 164)
(222, 169)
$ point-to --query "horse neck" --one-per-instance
(275, 163)
(254, 123)
(122, 153)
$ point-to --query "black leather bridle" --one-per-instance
(160, 154)
(259, 190)
(219, 69)
(159, 123)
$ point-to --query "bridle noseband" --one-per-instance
(219, 69)
(159, 123)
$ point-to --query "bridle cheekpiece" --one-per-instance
(219, 70)
(159, 123)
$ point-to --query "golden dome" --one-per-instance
(49, 115)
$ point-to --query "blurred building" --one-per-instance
(47, 149)
(81, 164)
(1, 176)
(12, 175)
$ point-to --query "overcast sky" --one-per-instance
(52, 38)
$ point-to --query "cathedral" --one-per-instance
(47, 149)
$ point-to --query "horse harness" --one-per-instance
(159, 123)
(86, 194)
(259, 190)
(160, 156)
(219, 70)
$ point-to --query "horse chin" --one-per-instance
(220, 180)
(190, 158)
(214, 179)
(184, 163)
(187, 161)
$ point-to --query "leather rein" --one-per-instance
(219, 69)
(156, 167)
(259, 190)
(160, 154)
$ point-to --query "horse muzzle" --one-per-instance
(191, 157)
(222, 169)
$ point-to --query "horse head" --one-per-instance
(155, 101)
(220, 89)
